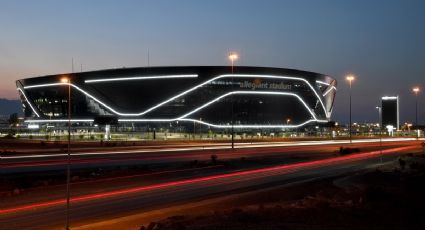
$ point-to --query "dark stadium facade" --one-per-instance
(213, 96)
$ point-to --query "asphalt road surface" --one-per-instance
(167, 154)
(101, 206)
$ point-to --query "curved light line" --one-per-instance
(249, 92)
(329, 90)
(185, 92)
(327, 84)
(141, 78)
(84, 92)
(28, 102)
(183, 119)
(255, 126)
(281, 77)
(223, 126)
(322, 82)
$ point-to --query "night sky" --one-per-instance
(381, 42)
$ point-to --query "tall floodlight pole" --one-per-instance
(350, 78)
(416, 90)
(380, 129)
(68, 165)
(233, 57)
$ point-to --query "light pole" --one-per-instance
(200, 129)
(350, 78)
(67, 81)
(380, 129)
(194, 130)
(233, 57)
(416, 90)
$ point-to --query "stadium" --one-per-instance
(217, 97)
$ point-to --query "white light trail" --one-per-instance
(216, 147)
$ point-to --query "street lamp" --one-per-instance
(233, 56)
(416, 90)
(350, 78)
(380, 129)
(67, 81)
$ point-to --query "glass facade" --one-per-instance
(211, 96)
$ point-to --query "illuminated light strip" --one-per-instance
(251, 92)
(185, 92)
(255, 126)
(142, 78)
(329, 90)
(29, 103)
(222, 126)
(389, 98)
(281, 77)
(323, 83)
(58, 120)
(327, 84)
(81, 90)
(283, 168)
(183, 119)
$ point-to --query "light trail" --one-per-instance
(184, 155)
(284, 168)
(214, 147)
(140, 175)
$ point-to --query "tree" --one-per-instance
(13, 120)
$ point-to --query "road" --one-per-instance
(176, 153)
(101, 206)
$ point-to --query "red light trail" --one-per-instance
(291, 167)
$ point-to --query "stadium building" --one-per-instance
(210, 96)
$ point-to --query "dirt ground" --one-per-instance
(391, 197)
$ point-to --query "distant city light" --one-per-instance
(33, 126)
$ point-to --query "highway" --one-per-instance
(105, 205)
(81, 158)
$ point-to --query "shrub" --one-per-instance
(345, 151)
(214, 158)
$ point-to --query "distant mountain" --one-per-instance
(8, 107)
